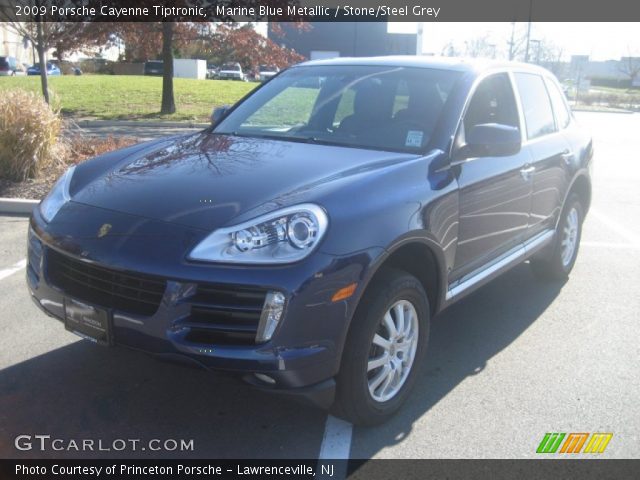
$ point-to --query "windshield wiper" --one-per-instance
(272, 137)
(310, 140)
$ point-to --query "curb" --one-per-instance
(582, 109)
(17, 205)
(131, 123)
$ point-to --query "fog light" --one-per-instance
(265, 378)
(271, 315)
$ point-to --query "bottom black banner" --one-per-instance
(329, 469)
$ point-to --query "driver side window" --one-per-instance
(492, 102)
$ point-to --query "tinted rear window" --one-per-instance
(563, 117)
(538, 114)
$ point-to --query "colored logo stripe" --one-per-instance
(550, 443)
(598, 442)
(574, 443)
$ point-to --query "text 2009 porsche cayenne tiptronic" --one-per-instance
(305, 240)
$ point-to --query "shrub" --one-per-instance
(80, 148)
(29, 131)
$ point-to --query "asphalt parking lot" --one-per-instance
(514, 360)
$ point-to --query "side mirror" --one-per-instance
(218, 114)
(492, 140)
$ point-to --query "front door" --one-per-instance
(495, 192)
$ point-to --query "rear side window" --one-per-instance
(538, 114)
(563, 117)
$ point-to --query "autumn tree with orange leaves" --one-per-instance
(226, 43)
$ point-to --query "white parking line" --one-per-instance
(622, 231)
(336, 442)
(612, 245)
(13, 269)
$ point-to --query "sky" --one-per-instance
(601, 41)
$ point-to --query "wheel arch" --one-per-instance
(419, 256)
(581, 185)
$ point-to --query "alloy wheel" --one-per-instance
(570, 236)
(392, 351)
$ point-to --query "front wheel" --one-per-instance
(384, 350)
(566, 246)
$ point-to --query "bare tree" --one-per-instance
(480, 47)
(549, 55)
(517, 42)
(449, 50)
(63, 36)
(41, 35)
(630, 66)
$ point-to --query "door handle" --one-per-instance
(567, 156)
(527, 171)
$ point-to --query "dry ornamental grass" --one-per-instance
(29, 131)
(33, 152)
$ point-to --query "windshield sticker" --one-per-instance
(414, 138)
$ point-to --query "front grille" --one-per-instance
(125, 291)
(224, 314)
(35, 257)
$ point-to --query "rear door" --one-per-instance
(549, 149)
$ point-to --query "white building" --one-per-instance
(13, 45)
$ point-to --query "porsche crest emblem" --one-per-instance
(104, 229)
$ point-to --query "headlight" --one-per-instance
(283, 236)
(57, 197)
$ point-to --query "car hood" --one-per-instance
(207, 180)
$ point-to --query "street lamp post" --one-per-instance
(537, 43)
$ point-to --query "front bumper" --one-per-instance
(304, 353)
(230, 76)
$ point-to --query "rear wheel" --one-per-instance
(384, 349)
(566, 246)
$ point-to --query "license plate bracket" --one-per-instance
(88, 321)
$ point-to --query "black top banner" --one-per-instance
(318, 10)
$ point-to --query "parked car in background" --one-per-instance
(266, 72)
(21, 69)
(212, 71)
(307, 238)
(154, 67)
(231, 71)
(9, 66)
(52, 69)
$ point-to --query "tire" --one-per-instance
(559, 265)
(393, 291)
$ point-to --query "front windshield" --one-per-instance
(380, 107)
(229, 66)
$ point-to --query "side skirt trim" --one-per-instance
(507, 260)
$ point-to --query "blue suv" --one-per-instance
(305, 240)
